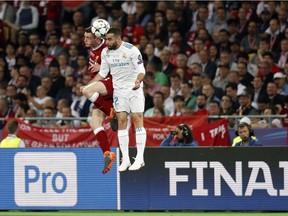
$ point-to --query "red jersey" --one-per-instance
(95, 56)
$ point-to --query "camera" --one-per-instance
(173, 132)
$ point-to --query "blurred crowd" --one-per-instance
(211, 57)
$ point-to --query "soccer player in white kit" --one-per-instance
(124, 62)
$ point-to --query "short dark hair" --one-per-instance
(12, 126)
(115, 31)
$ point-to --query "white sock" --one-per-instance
(94, 97)
(140, 142)
(123, 139)
(97, 130)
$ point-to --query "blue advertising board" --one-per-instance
(56, 179)
(221, 178)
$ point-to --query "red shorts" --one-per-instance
(105, 103)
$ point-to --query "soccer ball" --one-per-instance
(100, 28)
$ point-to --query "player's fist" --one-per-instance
(137, 85)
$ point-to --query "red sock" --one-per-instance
(103, 141)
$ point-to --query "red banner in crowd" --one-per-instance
(213, 134)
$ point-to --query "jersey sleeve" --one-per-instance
(137, 60)
(104, 67)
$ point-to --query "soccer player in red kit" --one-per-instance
(101, 94)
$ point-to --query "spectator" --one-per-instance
(274, 34)
(31, 113)
(246, 134)
(283, 57)
(37, 101)
(214, 53)
(12, 141)
(14, 74)
(54, 49)
(168, 100)
(209, 91)
(276, 123)
(234, 78)
(129, 7)
(208, 67)
(183, 136)
(148, 98)
(226, 108)
(282, 86)
(222, 80)
(259, 91)
(10, 51)
(61, 103)
(141, 13)
(196, 84)
(118, 14)
(245, 105)
(274, 97)
(68, 92)
(34, 40)
(48, 112)
(190, 100)
(149, 51)
(245, 77)
(133, 31)
(179, 101)
(82, 68)
(201, 105)
(27, 19)
(262, 104)
(80, 105)
(5, 112)
(50, 28)
(223, 40)
(38, 59)
(175, 82)
(58, 81)
(65, 123)
(198, 46)
(158, 101)
(158, 112)
(65, 69)
(167, 67)
(151, 84)
(214, 110)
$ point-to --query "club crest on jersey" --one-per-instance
(124, 55)
(140, 59)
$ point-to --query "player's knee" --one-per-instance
(122, 123)
(85, 91)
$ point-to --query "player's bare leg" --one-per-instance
(93, 90)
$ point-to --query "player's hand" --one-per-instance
(94, 68)
(137, 85)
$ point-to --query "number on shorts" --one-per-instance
(115, 101)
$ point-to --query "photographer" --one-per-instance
(245, 132)
(182, 135)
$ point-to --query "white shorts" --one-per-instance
(130, 101)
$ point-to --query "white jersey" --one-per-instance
(124, 64)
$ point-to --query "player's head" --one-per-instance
(113, 38)
(90, 39)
